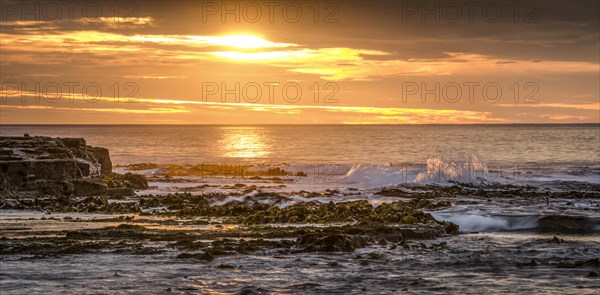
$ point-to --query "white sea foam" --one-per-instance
(470, 222)
(470, 169)
(376, 176)
(437, 170)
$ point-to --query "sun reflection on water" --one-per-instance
(244, 142)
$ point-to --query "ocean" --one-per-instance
(569, 145)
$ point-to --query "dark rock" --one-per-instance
(136, 181)
(8, 155)
(225, 266)
(49, 165)
(451, 228)
(16, 172)
(566, 224)
(248, 290)
(208, 255)
(57, 188)
(594, 262)
(127, 180)
(84, 168)
(89, 187)
(556, 240)
(75, 143)
(119, 192)
(103, 157)
(532, 263)
(56, 152)
(316, 242)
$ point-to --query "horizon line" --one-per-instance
(287, 124)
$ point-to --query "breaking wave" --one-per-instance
(469, 169)
(436, 170)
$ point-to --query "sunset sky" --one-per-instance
(178, 62)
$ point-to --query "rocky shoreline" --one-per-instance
(67, 176)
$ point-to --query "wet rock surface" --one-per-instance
(44, 166)
(252, 232)
(490, 191)
(204, 240)
(238, 228)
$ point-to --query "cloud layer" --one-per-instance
(544, 68)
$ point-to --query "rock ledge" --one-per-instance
(39, 165)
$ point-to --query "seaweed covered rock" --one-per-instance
(120, 192)
(128, 180)
(317, 242)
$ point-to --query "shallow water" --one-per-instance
(491, 264)
(495, 259)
